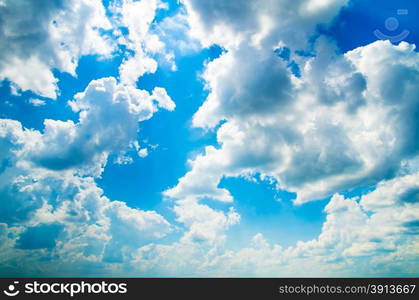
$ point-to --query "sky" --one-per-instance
(165, 138)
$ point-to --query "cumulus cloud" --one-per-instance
(136, 66)
(142, 40)
(143, 152)
(243, 93)
(53, 207)
(316, 131)
(371, 235)
(313, 123)
(61, 217)
(108, 124)
(36, 102)
(318, 134)
(38, 37)
(65, 215)
(204, 223)
(263, 23)
(202, 180)
(174, 31)
(355, 228)
(258, 95)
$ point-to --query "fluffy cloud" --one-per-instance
(316, 131)
(54, 211)
(136, 66)
(60, 214)
(202, 180)
(38, 37)
(36, 102)
(204, 223)
(108, 124)
(142, 41)
(375, 234)
(244, 93)
(256, 93)
(174, 31)
(262, 23)
(313, 123)
(380, 224)
(321, 133)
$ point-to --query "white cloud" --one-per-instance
(318, 134)
(36, 38)
(143, 152)
(202, 181)
(204, 223)
(20, 72)
(108, 124)
(142, 40)
(255, 92)
(131, 228)
(400, 191)
(375, 235)
(174, 31)
(98, 232)
(37, 102)
(64, 215)
(229, 25)
(163, 99)
(244, 87)
(135, 67)
(54, 207)
(314, 134)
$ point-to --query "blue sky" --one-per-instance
(166, 138)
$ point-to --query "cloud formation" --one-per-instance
(283, 103)
(108, 124)
(37, 37)
(317, 134)
(62, 214)
(142, 40)
(375, 234)
(53, 206)
(317, 131)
